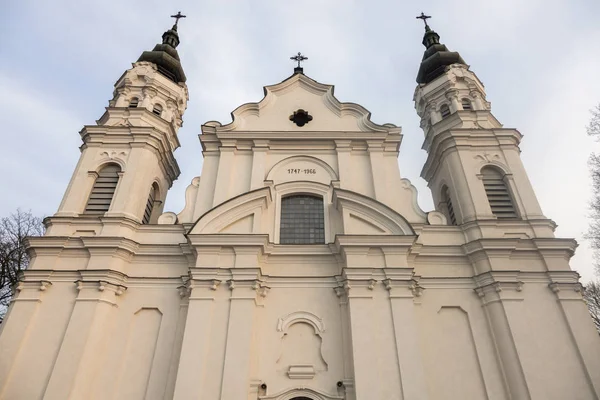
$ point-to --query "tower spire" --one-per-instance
(165, 55)
(436, 57)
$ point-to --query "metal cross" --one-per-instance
(177, 16)
(424, 18)
(299, 57)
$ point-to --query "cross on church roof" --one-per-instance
(177, 16)
(424, 18)
(299, 57)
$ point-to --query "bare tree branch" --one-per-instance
(591, 294)
(593, 128)
(593, 232)
(13, 255)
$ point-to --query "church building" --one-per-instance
(302, 266)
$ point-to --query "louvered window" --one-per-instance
(150, 204)
(103, 190)
(449, 208)
(157, 109)
(497, 193)
(466, 104)
(445, 110)
(302, 220)
(133, 103)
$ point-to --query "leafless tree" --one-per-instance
(13, 256)
(593, 232)
(591, 294)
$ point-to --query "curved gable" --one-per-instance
(363, 215)
(241, 214)
(301, 92)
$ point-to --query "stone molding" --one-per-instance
(453, 139)
(326, 91)
(499, 286)
(309, 393)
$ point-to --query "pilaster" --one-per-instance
(259, 157)
(226, 161)
(246, 295)
(404, 295)
(199, 291)
(90, 323)
(568, 291)
(358, 295)
(14, 331)
(500, 294)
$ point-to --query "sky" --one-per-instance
(538, 59)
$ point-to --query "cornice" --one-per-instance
(105, 245)
(212, 140)
(486, 247)
(348, 241)
(445, 142)
(228, 240)
(150, 137)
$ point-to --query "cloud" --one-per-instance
(538, 60)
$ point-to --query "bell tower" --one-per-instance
(127, 163)
(473, 169)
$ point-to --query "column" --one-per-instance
(452, 95)
(196, 338)
(77, 361)
(245, 295)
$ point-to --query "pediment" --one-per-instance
(300, 92)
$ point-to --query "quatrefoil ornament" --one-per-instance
(301, 117)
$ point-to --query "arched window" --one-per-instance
(447, 202)
(466, 104)
(150, 204)
(157, 109)
(103, 190)
(497, 193)
(133, 103)
(302, 220)
(445, 110)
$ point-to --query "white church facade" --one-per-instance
(302, 266)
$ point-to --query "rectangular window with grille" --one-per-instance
(302, 220)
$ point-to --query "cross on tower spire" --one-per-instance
(299, 58)
(178, 16)
(424, 18)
